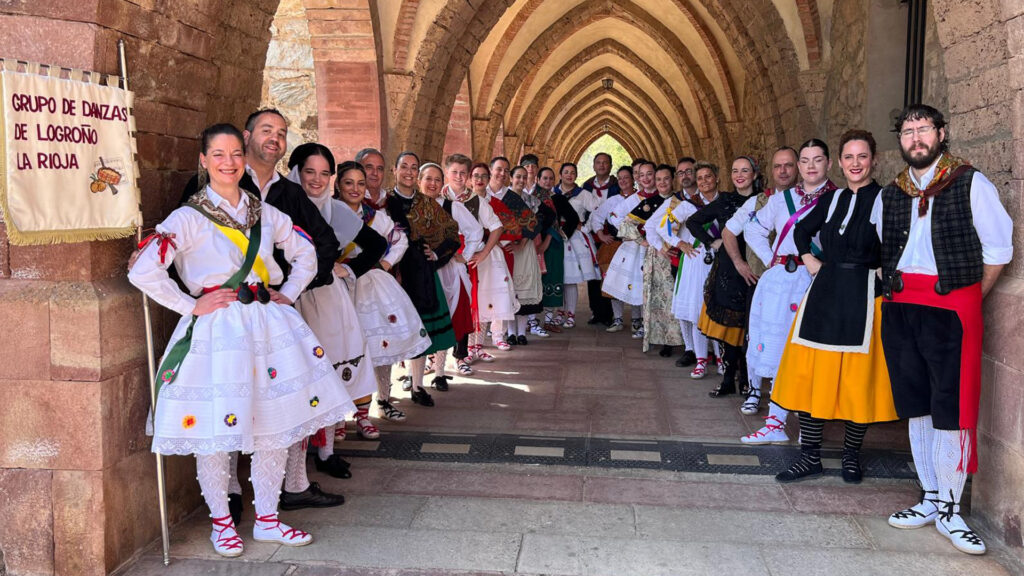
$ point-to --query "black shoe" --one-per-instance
(723, 389)
(335, 466)
(803, 469)
(687, 359)
(441, 383)
(511, 340)
(312, 497)
(594, 320)
(235, 507)
(665, 352)
(521, 340)
(420, 396)
(852, 473)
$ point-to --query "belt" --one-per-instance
(790, 261)
(247, 293)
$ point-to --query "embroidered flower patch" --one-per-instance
(794, 307)
(346, 374)
(230, 420)
(167, 375)
(318, 352)
(188, 421)
(760, 347)
(314, 401)
(272, 372)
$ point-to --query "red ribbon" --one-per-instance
(164, 240)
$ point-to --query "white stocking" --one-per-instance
(571, 294)
(267, 474)
(212, 473)
(684, 327)
(233, 486)
(951, 464)
(440, 357)
(295, 478)
(383, 374)
(700, 341)
(922, 446)
(416, 368)
(777, 411)
(497, 331)
(521, 325)
(617, 309)
(324, 452)
(719, 351)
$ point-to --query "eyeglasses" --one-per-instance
(920, 131)
(684, 172)
(480, 176)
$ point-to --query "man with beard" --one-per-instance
(945, 239)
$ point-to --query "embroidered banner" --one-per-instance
(67, 171)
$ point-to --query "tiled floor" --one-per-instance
(581, 455)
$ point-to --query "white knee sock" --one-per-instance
(951, 453)
(521, 322)
(212, 473)
(922, 446)
(440, 357)
(684, 327)
(324, 452)
(233, 486)
(383, 374)
(777, 411)
(267, 474)
(295, 478)
(719, 351)
(617, 309)
(416, 368)
(571, 294)
(497, 331)
(700, 341)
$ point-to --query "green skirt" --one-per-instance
(555, 275)
(438, 323)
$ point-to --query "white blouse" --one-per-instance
(205, 257)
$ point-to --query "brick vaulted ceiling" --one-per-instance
(704, 77)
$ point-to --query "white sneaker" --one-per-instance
(269, 529)
(617, 326)
(963, 538)
(638, 334)
(917, 516)
(752, 404)
(225, 538)
(773, 432)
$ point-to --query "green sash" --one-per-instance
(791, 205)
(176, 355)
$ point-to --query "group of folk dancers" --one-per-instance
(860, 304)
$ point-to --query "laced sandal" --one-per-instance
(721, 366)
(225, 539)
(269, 529)
(773, 432)
(537, 330)
(808, 466)
(852, 473)
(570, 320)
(478, 353)
(339, 432)
(919, 515)
(951, 525)
(389, 412)
(617, 326)
(365, 427)
(700, 369)
(502, 345)
(752, 404)
(463, 367)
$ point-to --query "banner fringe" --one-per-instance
(44, 237)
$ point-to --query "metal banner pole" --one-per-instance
(161, 488)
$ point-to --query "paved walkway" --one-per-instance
(589, 457)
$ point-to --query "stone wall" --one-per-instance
(289, 81)
(77, 479)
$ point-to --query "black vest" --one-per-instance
(955, 241)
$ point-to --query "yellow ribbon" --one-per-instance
(242, 242)
(347, 251)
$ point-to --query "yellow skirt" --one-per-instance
(731, 335)
(837, 385)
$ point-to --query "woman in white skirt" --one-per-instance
(580, 254)
(526, 274)
(272, 383)
(392, 327)
(694, 265)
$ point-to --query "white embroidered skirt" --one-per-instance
(526, 276)
(329, 311)
(625, 277)
(776, 300)
(392, 327)
(689, 289)
(579, 259)
(255, 378)
(496, 295)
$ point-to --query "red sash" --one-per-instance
(966, 302)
